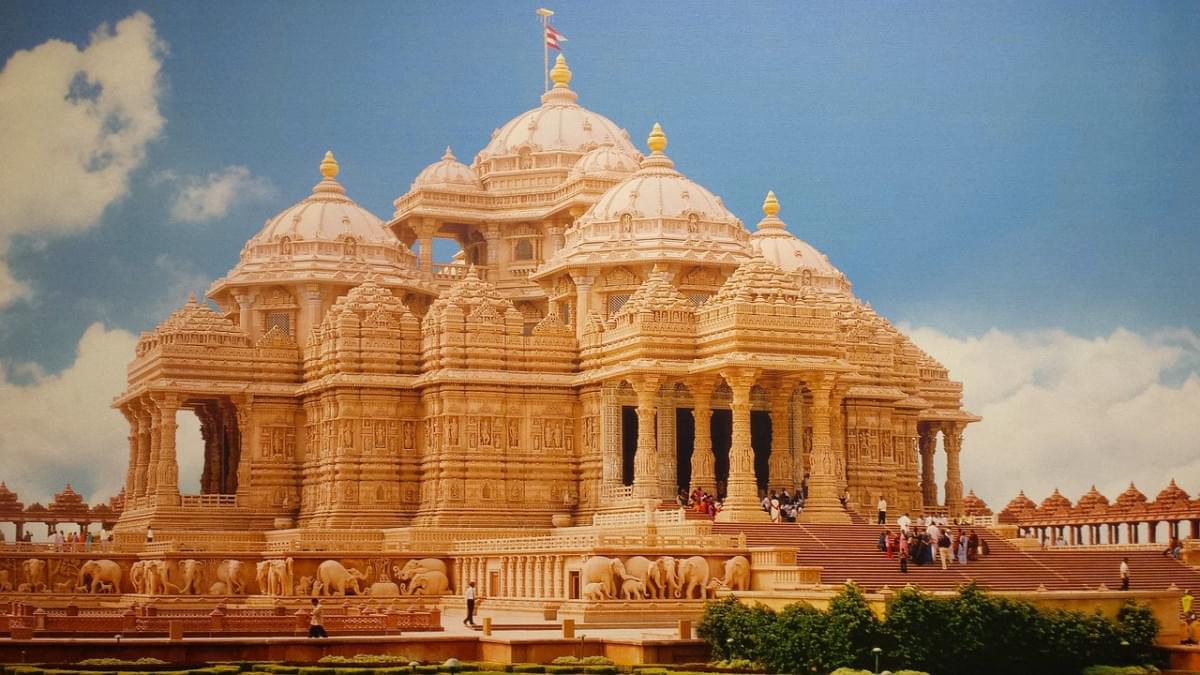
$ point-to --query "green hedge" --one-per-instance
(972, 632)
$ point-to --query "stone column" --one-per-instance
(668, 476)
(554, 240)
(491, 234)
(583, 300)
(704, 463)
(741, 503)
(539, 576)
(167, 487)
(245, 303)
(131, 470)
(822, 505)
(781, 461)
(645, 461)
(952, 440)
(425, 230)
(556, 583)
(151, 485)
(312, 301)
(927, 443)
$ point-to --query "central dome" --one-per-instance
(559, 124)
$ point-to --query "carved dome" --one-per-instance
(560, 123)
(448, 172)
(606, 160)
(1092, 500)
(1020, 505)
(974, 506)
(1056, 501)
(327, 214)
(1172, 496)
(1131, 498)
(772, 239)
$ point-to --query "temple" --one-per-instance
(609, 333)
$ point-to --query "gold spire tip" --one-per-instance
(329, 166)
(560, 74)
(658, 140)
(770, 204)
(449, 153)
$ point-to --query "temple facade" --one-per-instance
(608, 334)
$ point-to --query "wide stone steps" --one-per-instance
(850, 552)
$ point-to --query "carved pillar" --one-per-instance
(798, 422)
(556, 583)
(145, 433)
(539, 575)
(312, 301)
(155, 447)
(741, 503)
(704, 463)
(611, 477)
(425, 229)
(167, 487)
(245, 303)
(583, 300)
(491, 234)
(131, 470)
(928, 446)
(952, 440)
(645, 461)
(780, 471)
(668, 476)
(822, 505)
(554, 238)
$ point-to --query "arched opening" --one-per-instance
(208, 447)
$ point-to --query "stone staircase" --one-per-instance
(850, 552)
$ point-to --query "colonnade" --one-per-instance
(1094, 534)
(532, 576)
(952, 438)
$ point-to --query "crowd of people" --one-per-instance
(932, 541)
(700, 501)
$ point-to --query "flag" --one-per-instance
(554, 37)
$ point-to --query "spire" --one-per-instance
(657, 140)
(770, 209)
(329, 171)
(449, 154)
(560, 74)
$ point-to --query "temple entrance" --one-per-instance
(760, 441)
(722, 439)
(221, 443)
(629, 434)
(685, 442)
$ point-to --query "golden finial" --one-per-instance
(449, 154)
(771, 204)
(560, 73)
(657, 140)
(329, 166)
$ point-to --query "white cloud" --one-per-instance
(74, 124)
(60, 428)
(1065, 411)
(204, 199)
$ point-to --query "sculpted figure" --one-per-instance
(35, 574)
(304, 586)
(63, 587)
(107, 588)
(605, 571)
(94, 573)
(137, 576)
(737, 574)
(192, 572)
(336, 579)
(595, 591)
(230, 573)
(693, 576)
(428, 583)
(383, 589)
(25, 588)
(670, 579)
(6, 584)
(416, 566)
(279, 577)
(157, 578)
(650, 573)
(633, 589)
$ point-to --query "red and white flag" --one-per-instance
(554, 37)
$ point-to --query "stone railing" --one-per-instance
(638, 518)
(323, 540)
(433, 540)
(213, 500)
(611, 493)
(181, 542)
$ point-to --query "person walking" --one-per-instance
(1187, 615)
(316, 621)
(470, 595)
(881, 507)
(1124, 574)
(944, 549)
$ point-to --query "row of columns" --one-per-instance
(521, 576)
(1090, 533)
(153, 473)
(952, 438)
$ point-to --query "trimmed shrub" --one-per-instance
(528, 668)
(600, 669)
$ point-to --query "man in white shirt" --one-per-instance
(882, 508)
(1124, 574)
(904, 522)
(470, 595)
(934, 534)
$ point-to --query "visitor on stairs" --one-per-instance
(963, 544)
(973, 546)
(882, 508)
(1124, 574)
(904, 552)
(883, 541)
(1187, 615)
(944, 549)
(904, 522)
(935, 537)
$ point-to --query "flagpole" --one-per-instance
(545, 14)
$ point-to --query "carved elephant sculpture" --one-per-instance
(418, 565)
(383, 589)
(693, 575)
(737, 574)
(304, 586)
(336, 579)
(6, 584)
(156, 578)
(93, 574)
(651, 574)
(609, 572)
(632, 588)
(428, 583)
(230, 573)
(275, 577)
(595, 591)
(35, 574)
(137, 576)
(669, 567)
(192, 577)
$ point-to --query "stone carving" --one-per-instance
(156, 579)
(137, 576)
(608, 572)
(693, 575)
(596, 591)
(304, 586)
(632, 588)
(431, 582)
(35, 574)
(230, 576)
(652, 574)
(191, 574)
(336, 579)
(6, 584)
(416, 566)
(93, 574)
(737, 574)
(274, 577)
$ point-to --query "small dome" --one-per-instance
(448, 171)
(327, 213)
(1092, 500)
(974, 506)
(785, 249)
(1172, 496)
(1017, 508)
(1131, 498)
(560, 123)
(1056, 501)
(606, 160)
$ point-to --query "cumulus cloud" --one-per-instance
(1067, 411)
(60, 428)
(200, 199)
(74, 124)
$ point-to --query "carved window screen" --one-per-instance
(616, 301)
(281, 319)
(698, 298)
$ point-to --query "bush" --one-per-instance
(528, 668)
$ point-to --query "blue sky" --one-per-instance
(1031, 169)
